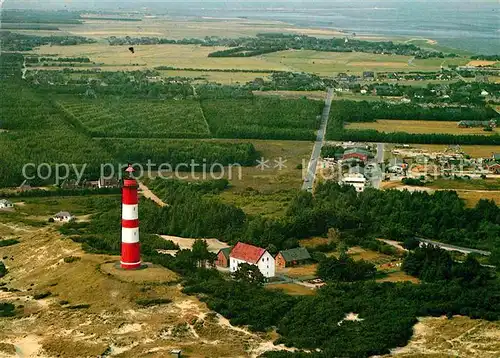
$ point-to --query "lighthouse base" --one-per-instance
(131, 266)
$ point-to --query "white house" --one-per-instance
(253, 255)
(5, 204)
(358, 181)
(63, 216)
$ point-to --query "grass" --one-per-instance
(302, 271)
(149, 56)
(327, 63)
(475, 151)
(226, 78)
(462, 184)
(110, 117)
(292, 289)
(472, 197)
(317, 95)
(268, 192)
(419, 127)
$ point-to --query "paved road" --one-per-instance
(313, 163)
(449, 247)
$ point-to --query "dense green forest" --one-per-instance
(272, 42)
(12, 41)
(351, 111)
(263, 118)
(175, 152)
(40, 17)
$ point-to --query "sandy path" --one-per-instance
(150, 195)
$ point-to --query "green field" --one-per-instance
(137, 118)
(327, 63)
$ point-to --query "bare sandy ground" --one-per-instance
(214, 245)
(111, 321)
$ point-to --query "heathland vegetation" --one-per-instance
(386, 311)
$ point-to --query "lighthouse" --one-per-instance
(131, 252)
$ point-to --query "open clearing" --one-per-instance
(418, 127)
(317, 95)
(292, 289)
(458, 337)
(481, 63)
(149, 56)
(475, 151)
(472, 197)
(268, 191)
(302, 271)
(226, 78)
(214, 245)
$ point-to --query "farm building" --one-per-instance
(63, 216)
(5, 204)
(356, 153)
(292, 257)
(223, 257)
(253, 255)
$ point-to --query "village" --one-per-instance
(382, 166)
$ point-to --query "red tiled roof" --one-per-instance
(248, 253)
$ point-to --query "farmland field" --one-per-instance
(226, 78)
(418, 127)
(327, 63)
(137, 118)
(149, 56)
(475, 151)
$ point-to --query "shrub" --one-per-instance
(148, 302)
(42, 295)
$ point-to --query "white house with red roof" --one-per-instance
(253, 255)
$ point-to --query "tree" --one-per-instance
(3, 270)
(345, 269)
(411, 243)
(201, 255)
(249, 273)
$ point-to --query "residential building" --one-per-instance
(108, 183)
(369, 76)
(358, 181)
(396, 165)
(223, 257)
(63, 216)
(5, 204)
(292, 257)
(494, 168)
(356, 153)
(253, 255)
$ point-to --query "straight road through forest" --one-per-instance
(313, 163)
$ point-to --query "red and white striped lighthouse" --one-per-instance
(131, 252)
